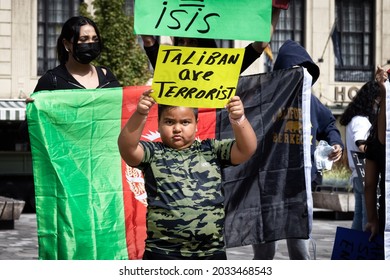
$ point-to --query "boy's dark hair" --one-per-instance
(71, 30)
(162, 108)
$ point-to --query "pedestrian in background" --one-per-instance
(357, 118)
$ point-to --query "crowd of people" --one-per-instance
(183, 176)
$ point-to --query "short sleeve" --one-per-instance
(149, 148)
(223, 149)
(360, 127)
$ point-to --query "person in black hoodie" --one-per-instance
(323, 127)
(77, 46)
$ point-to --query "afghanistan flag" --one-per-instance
(91, 205)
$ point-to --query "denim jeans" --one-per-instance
(298, 249)
(360, 214)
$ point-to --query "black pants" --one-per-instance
(153, 256)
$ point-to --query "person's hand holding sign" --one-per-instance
(236, 110)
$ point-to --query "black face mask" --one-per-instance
(86, 52)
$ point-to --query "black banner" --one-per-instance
(266, 197)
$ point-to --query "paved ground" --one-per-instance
(21, 243)
(324, 229)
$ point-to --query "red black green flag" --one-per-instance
(90, 205)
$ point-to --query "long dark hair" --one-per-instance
(362, 104)
(71, 30)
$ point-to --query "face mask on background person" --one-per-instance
(86, 52)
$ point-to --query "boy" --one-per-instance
(183, 181)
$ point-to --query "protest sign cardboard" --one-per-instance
(353, 244)
(224, 19)
(196, 77)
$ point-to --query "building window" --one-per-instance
(354, 22)
(290, 26)
(51, 16)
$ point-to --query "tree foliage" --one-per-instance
(121, 51)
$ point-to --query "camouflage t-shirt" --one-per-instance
(185, 214)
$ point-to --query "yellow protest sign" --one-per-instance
(196, 77)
